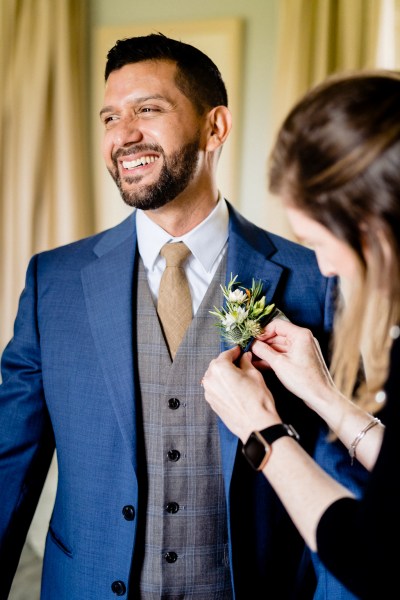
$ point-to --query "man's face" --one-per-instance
(152, 134)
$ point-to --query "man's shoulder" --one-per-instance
(292, 250)
(261, 236)
(97, 242)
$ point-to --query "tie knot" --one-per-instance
(175, 254)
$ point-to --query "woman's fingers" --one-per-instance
(264, 351)
(279, 327)
(230, 355)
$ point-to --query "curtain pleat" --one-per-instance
(320, 37)
(45, 195)
(317, 38)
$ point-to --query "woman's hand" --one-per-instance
(295, 356)
(238, 394)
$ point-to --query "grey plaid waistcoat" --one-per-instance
(185, 548)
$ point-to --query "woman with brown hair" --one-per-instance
(336, 167)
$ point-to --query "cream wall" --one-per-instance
(259, 19)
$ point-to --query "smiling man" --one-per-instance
(155, 499)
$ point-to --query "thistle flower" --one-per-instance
(244, 313)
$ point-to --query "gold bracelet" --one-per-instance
(359, 437)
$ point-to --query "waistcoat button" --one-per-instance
(174, 455)
(118, 587)
(172, 507)
(173, 403)
(129, 512)
(171, 557)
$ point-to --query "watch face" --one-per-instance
(256, 451)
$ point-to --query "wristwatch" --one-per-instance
(258, 447)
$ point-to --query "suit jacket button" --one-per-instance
(174, 455)
(171, 557)
(129, 512)
(118, 587)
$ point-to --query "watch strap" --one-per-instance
(274, 432)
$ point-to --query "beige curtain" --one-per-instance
(320, 37)
(44, 179)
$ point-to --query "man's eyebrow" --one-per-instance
(105, 109)
(108, 109)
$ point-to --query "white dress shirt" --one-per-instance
(207, 243)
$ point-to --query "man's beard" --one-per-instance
(176, 173)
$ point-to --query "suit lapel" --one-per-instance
(249, 257)
(107, 284)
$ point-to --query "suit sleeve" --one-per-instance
(26, 438)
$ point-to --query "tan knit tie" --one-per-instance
(174, 300)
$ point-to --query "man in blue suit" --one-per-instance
(154, 497)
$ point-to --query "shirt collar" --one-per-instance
(151, 237)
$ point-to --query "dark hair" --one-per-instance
(337, 159)
(198, 78)
(337, 155)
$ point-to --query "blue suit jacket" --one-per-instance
(69, 381)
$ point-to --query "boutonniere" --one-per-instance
(244, 314)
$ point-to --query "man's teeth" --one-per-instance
(144, 160)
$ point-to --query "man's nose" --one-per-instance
(127, 131)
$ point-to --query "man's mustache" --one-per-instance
(127, 150)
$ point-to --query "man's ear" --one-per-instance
(219, 126)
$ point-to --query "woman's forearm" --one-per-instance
(304, 488)
(353, 426)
